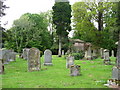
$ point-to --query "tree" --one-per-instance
(30, 30)
(86, 16)
(2, 30)
(61, 19)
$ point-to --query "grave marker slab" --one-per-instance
(69, 61)
(48, 57)
(33, 59)
(74, 70)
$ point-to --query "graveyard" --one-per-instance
(60, 44)
(94, 74)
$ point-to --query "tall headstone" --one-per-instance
(6, 56)
(47, 57)
(74, 70)
(69, 61)
(94, 54)
(33, 59)
(102, 53)
(88, 54)
(25, 53)
(112, 53)
(63, 52)
(106, 57)
(12, 56)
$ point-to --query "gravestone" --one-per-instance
(74, 70)
(88, 53)
(48, 57)
(94, 53)
(25, 53)
(5, 56)
(69, 61)
(33, 59)
(112, 53)
(102, 53)
(63, 52)
(12, 56)
(106, 57)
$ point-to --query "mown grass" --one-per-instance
(94, 74)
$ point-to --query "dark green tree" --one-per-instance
(62, 21)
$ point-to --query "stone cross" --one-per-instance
(106, 57)
(33, 59)
(47, 57)
(69, 61)
(74, 70)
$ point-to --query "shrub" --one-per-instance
(78, 56)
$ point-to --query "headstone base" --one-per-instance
(107, 62)
(48, 64)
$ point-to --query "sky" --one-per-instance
(19, 7)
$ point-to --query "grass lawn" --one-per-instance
(94, 75)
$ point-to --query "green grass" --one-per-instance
(94, 75)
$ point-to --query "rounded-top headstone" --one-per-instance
(47, 57)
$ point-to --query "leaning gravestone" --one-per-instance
(106, 57)
(33, 60)
(74, 70)
(48, 57)
(69, 61)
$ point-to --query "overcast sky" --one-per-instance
(19, 7)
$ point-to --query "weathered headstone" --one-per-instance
(94, 53)
(12, 56)
(5, 56)
(25, 53)
(48, 57)
(106, 57)
(88, 54)
(112, 53)
(33, 59)
(102, 53)
(74, 70)
(69, 61)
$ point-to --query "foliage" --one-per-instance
(61, 20)
(96, 23)
(30, 30)
(78, 56)
(56, 76)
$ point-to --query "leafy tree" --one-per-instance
(29, 31)
(61, 19)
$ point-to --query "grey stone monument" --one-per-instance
(88, 54)
(74, 70)
(102, 53)
(94, 54)
(33, 59)
(12, 56)
(106, 57)
(112, 53)
(47, 57)
(69, 61)
(63, 52)
(1, 63)
(25, 53)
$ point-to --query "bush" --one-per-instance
(78, 56)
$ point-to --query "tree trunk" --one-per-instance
(118, 53)
(100, 17)
(60, 44)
